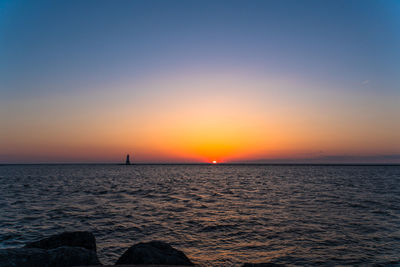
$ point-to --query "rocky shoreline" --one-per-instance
(79, 249)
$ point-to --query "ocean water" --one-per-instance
(218, 215)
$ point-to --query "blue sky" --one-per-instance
(85, 41)
(55, 49)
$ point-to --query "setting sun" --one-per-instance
(214, 162)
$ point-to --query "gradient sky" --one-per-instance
(196, 81)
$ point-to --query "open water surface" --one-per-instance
(221, 215)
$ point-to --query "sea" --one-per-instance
(218, 215)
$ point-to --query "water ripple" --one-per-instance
(218, 215)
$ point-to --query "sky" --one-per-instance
(197, 81)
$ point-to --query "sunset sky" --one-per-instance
(197, 81)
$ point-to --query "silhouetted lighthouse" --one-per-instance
(127, 162)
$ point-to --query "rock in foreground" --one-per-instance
(155, 252)
(58, 257)
(72, 256)
(71, 239)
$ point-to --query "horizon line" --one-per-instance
(210, 163)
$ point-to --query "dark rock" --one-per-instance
(155, 252)
(72, 256)
(58, 257)
(66, 249)
(24, 257)
(72, 239)
(267, 264)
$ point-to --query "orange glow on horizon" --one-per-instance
(197, 120)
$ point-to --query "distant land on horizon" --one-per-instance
(334, 159)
